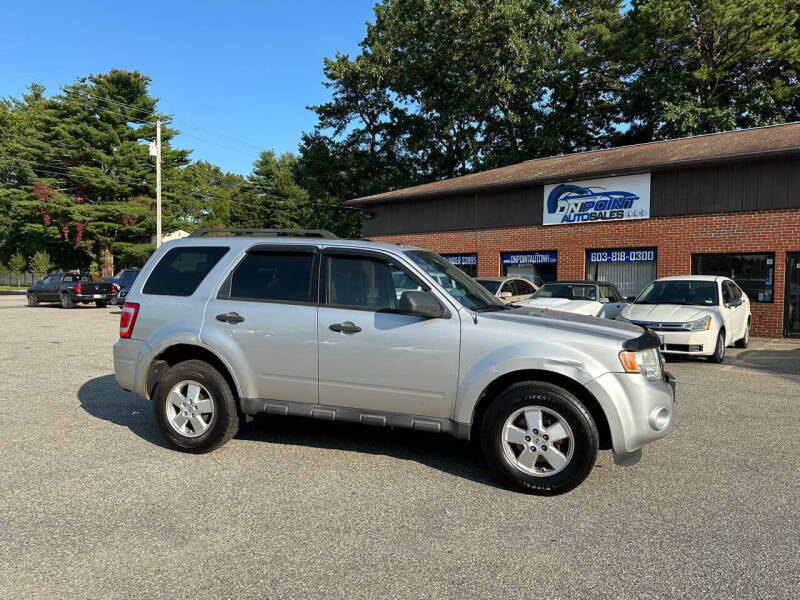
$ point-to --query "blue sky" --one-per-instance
(244, 70)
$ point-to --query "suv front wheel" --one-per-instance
(195, 408)
(539, 438)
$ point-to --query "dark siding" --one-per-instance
(732, 187)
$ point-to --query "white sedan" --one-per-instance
(597, 299)
(694, 315)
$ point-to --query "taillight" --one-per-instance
(128, 319)
(78, 289)
(114, 288)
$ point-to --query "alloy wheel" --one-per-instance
(538, 441)
(190, 408)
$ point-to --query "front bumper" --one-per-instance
(638, 411)
(688, 343)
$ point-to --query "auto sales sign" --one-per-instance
(596, 200)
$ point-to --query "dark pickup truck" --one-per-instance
(69, 289)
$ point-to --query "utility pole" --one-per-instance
(158, 183)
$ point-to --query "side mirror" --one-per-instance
(423, 304)
(505, 295)
(630, 299)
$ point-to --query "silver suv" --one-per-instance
(218, 327)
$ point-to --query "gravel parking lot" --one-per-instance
(93, 505)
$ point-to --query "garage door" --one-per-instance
(631, 269)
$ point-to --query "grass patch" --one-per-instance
(13, 288)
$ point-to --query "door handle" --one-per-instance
(231, 317)
(346, 327)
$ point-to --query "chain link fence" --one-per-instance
(21, 279)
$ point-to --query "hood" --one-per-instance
(582, 324)
(665, 313)
(582, 307)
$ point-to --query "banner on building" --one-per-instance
(529, 258)
(597, 200)
(461, 260)
(622, 255)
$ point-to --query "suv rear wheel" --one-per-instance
(539, 438)
(195, 408)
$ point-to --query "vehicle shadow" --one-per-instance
(103, 398)
(779, 361)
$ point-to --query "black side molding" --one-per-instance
(647, 340)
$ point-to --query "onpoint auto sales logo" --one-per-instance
(610, 199)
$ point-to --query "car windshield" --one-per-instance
(489, 284)
(568, 291)
(701, 293)
(457, 283)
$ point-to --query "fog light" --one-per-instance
(659, 418)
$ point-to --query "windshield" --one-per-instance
(489, 285)
(568, 291)
(700, 293)
(457, 283)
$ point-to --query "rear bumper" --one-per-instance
(129, 358)
(93, 297)
(638, 411)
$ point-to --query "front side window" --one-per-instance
(273, 276)
(691, 292)
(460, 286)
(753, 272)
(182, 269)
(366, 282)
(609, 294)
(524, 287)
(510, 287)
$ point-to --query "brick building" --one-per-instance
(726, 204)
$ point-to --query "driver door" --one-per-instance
(373, 357)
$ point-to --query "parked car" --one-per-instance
(598, 299)
(693, 315)
(122, 281)
(70, 289)
(508, 289)
(217, 328)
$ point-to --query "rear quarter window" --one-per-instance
(181, 270)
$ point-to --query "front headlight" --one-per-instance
(647, 362)
(703, 324)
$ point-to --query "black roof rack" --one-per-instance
(243, 231)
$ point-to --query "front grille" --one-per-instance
(683, 347)
(658, 326)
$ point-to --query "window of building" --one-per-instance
(753, 272)
(537, 267)
(273, 276)
(466, 262)
(181, 270)
(630, 269)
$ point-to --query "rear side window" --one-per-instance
(181, 270)
(275, 276)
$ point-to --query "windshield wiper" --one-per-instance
(493, 308)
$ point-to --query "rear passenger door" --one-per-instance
(264, 319)
(371, 356)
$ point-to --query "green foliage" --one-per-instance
(17, 263)
(40, 263)
(701, 67)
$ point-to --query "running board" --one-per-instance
(255, 406)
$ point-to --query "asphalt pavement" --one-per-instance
(93, 505)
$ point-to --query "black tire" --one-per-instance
(226, 418)
(101, 304)
(66, 301)
(719, 349)
(745, 341)
(33, 299)
(553, 398)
